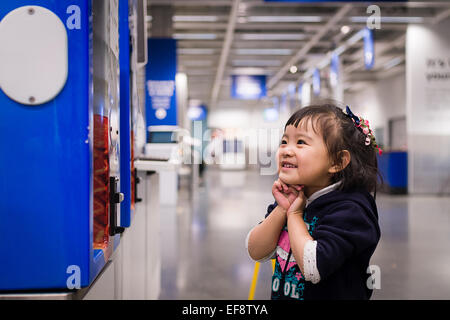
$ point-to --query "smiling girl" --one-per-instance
(323, 227)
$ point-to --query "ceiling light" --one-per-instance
(194, 36)
(339, 50)
(197, 63)
(284, 19)
(281, 52)
(392, 63)
(345, 29)
(250, 71)
(195, 18)
(200, 72)
(195, 51)
(293, 69)
(322, 64)
(363, 19)
(402, 19)
(308, 73)
(256, 63)
(272, 36)
(356, 37)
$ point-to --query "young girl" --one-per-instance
(323, 227)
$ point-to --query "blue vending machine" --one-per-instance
(59, 142)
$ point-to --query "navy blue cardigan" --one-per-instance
(345, 226)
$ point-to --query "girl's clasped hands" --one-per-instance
(290, 197)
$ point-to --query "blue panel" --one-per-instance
(316, 82)
(369, 51)
(197, 112)
(125, 138)
(334, 70)
(393, 167)
(299, 92)
(398, 169)
(248, 87)
(45, 173)
(161, 107)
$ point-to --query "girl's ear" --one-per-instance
(344, 160)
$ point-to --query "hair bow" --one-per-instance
(351, 115)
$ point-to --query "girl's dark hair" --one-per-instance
(340, 133)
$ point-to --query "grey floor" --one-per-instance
(203, 253)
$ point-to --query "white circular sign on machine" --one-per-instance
(160, 113)
(33, 55)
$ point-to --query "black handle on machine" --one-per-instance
(136, 181)
(114, 199)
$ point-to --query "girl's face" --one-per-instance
(303, 158)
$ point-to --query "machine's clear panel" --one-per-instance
(106, 114)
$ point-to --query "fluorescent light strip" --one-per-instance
(251, 71)
(195, 18)
(281, 52)
(339, 49)
(194, 36)
(392, 63)
(272, 36)
(200, 72)
(322, 64)
(256, 63)
(356, 37)
(195, 51)
(363, 19)
(284, 19)
(196, 63)
(308, 73)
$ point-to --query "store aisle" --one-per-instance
(203, 253)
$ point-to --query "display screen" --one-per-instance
(161, 137)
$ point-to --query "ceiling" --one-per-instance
(218, 38)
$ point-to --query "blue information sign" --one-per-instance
(197, 112)
(334, 70)
(316, 82)
(248, 87)
(369, 53)
(299, 92)
(161, 103)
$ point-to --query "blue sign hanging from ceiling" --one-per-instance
(316, 82)
(369, 52)
(248, 87)
(300, 92)
(161, 103)
(334, 70)
(197, 112)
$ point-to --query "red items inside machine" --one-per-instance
(133, 182)
(101, 182)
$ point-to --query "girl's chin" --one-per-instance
(287, 179)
